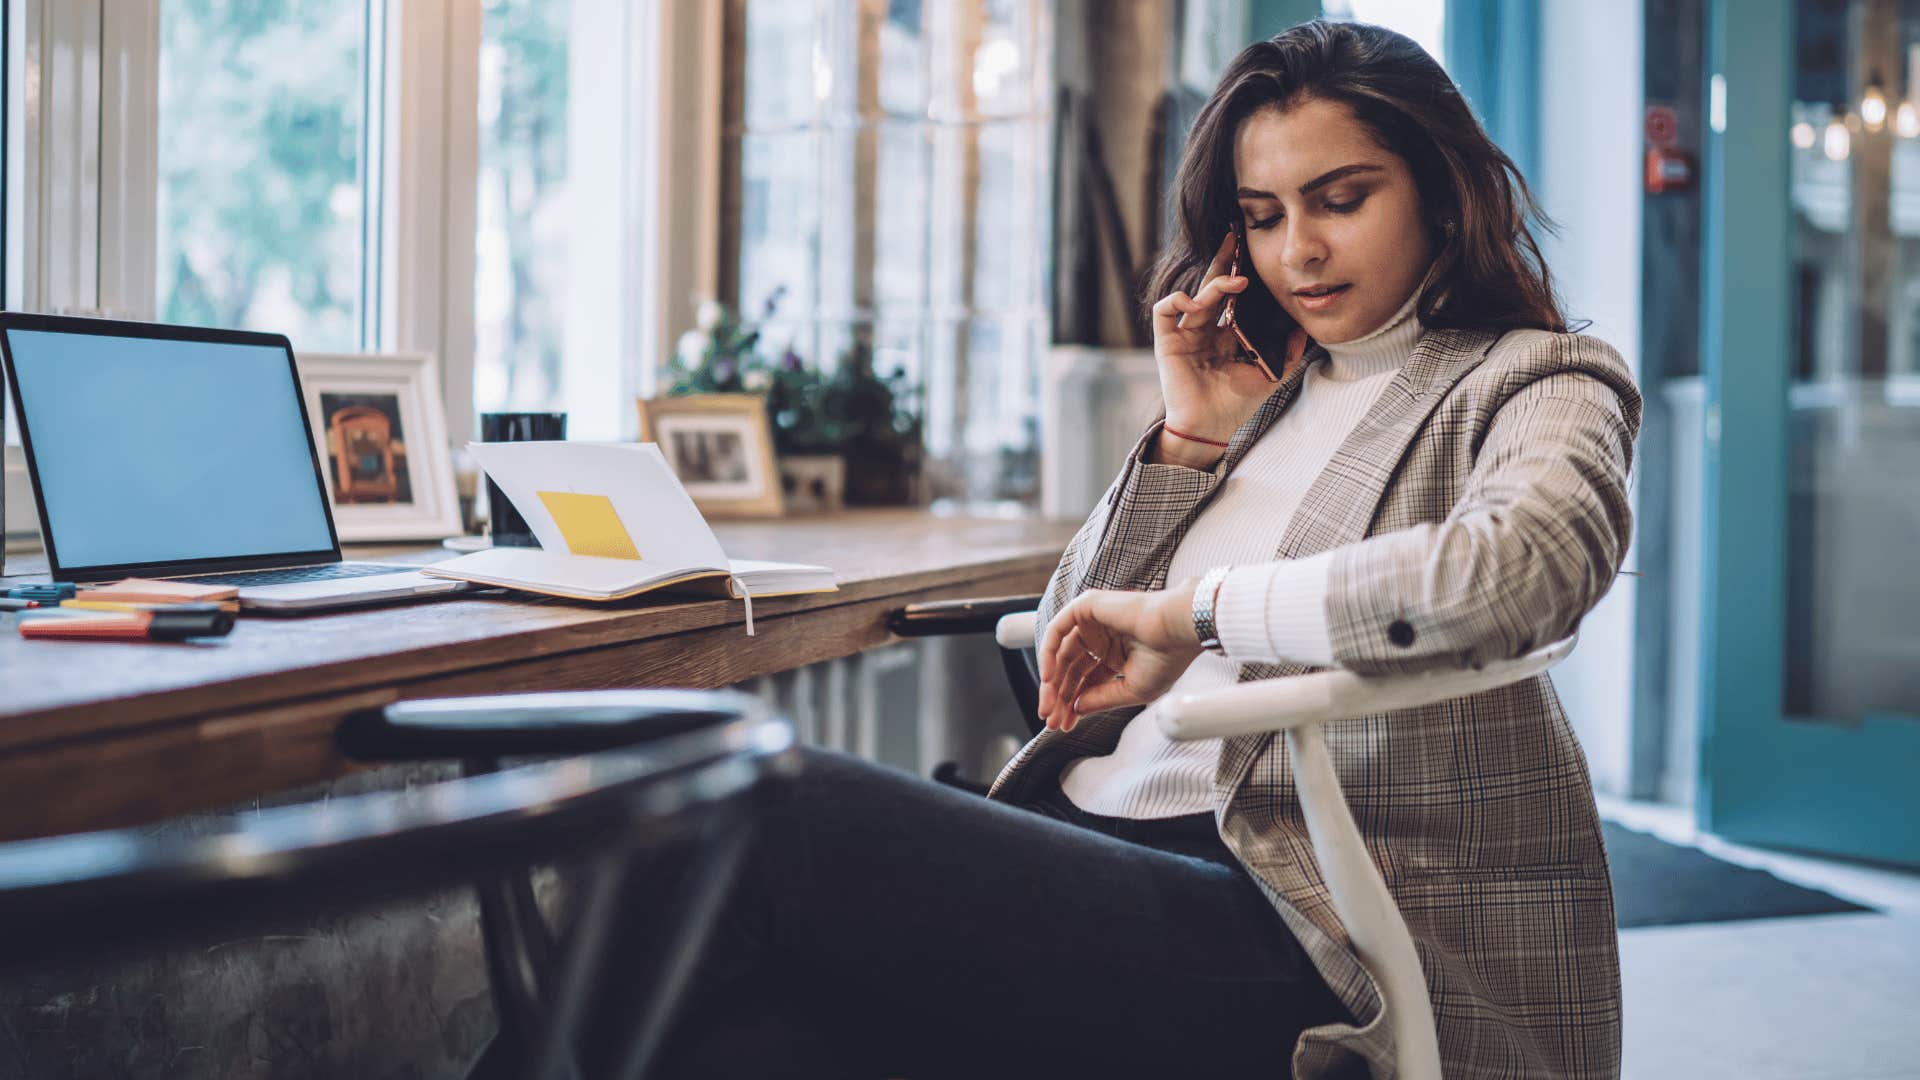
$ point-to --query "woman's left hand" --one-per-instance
(1108, 649)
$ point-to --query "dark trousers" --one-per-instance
(885, 925)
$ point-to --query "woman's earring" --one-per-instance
(1449, 227)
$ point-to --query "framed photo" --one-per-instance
(382, 439)
(721, 447)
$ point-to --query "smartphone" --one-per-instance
(1246, 353)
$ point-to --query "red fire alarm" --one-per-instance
(1663, 125)
(1668, 170)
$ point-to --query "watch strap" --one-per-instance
(1206, 599)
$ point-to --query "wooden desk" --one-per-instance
(98, 734)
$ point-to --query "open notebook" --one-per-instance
(613, 522)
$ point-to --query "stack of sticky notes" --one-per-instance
(136, 609)
(146, 594)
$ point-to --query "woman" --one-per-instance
(1438, 478)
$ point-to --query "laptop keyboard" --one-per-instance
(323, 572)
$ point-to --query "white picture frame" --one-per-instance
(375, 404)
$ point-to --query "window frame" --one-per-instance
(53, 171)
(129, 44)
(431, 60)
(88, 175)
(669, 213)
(959, 439)
(63, 156)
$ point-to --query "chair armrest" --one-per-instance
(1283, 704)
(575, 722)
(943, 617)
(1015, 631)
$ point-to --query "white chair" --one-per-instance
(1298, 706)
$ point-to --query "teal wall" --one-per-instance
(1269, 17)
(1493, 54)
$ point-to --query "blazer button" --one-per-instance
(1400, 633)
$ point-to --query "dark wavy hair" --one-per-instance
(1487, 274)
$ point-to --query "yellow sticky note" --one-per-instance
(589, 525)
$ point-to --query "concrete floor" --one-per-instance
(1816, 997)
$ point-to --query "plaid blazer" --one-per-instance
(1480, 508)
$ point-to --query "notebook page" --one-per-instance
(666, 529)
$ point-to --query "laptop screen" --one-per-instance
(155, 451)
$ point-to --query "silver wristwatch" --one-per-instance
(1206, 596)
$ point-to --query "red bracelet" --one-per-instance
(1178, 434)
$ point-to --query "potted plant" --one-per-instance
(813, 473)
(875, 418)
(852, 434)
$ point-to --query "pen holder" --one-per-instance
(506, 525)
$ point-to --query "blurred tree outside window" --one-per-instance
(523, 216)
(262, 197)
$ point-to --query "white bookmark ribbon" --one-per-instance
(746, 598)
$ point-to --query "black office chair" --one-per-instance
(943, 618)
(652, 768)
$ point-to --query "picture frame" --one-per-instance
(381, 436)
(721, 448)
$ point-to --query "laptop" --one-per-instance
(180, 452)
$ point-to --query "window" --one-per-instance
(263, 211)
(888, 183)
(570, 257)
(521, 208)
(480, 180)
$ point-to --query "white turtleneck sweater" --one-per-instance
(1267, 611)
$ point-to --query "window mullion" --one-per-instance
(868, 114)
(60, 177)
(129, 159)
(430, 157)
(680, 148)
(601, 298)
(374, 70)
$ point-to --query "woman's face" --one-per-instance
(1334, 223)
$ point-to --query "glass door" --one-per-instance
(1811, 349)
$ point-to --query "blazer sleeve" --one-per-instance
(1128, 540)
(1531, 546)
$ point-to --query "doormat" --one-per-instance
(1660, 884)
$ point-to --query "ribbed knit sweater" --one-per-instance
(1267, 611)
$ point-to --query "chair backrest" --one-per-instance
(92, 891)
(1297, 706)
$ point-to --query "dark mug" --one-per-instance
(508, 527)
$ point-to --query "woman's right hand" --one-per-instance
(1207, 392)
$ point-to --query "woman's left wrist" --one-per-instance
(1176, 614)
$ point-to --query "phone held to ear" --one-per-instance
(1246, 354)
